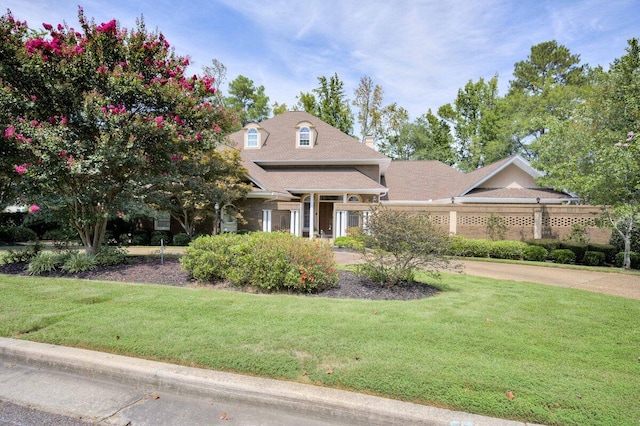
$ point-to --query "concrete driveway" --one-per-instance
(614, 283)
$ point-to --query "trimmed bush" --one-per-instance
(139, 237)
(271, 261)
(564, 256)
(535, 254)
(634, 256)
(349, 242)
(609, 251)
(17, 234)
(548, 244)
(579, 249)
(157, 236)
(465, 247)
(593, 258)
(181, 239)
(513, 250)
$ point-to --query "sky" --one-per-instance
(421, 52)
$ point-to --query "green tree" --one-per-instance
(328, 102)
(435, 141)
(393, 119)
(478, 119)
(368, 100)
(98, 115)
(278, 108)
(190, 193)
(549, 84)
(596, 154)
(250, 102)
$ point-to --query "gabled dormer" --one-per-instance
(253, 136)
(305, 135)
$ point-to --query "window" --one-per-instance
(252, 138)
(162, 222)
(304, 136)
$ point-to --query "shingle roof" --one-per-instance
(421, 180)
(330, 146)
(343, 179)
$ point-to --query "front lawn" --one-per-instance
(569, 357)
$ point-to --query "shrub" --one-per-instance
(465, 247)
(25, 255)
(609, 251)
(79, 262)
(349, 242)
(579, 249)
(157, 236)
(496, 227)
(181, 239)
(564, 256)
(535, 253)
(635, 259)
(13, 234)
(111, 255)
(547, 243)
(400, 244)
(513, 250)
(271, 261)
(593, 258)
(139, 237)
(44, 262)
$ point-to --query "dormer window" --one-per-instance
(252, 138)
(304, 136)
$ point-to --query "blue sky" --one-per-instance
(421, 52)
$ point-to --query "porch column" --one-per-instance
(294, 226)
(341, 223)
(266, 220)
(312, 215)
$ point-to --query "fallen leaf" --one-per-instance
(155, 396)
(223, 416)
(357, 357)
(304, 372)
(330, 371)
(510, 395)
(375, 312)
(489, 320)
(579, 396)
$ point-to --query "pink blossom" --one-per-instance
(159, 120)
(34, 123)
(176, 158)
(61, 27)
(217, 129)
(21, 169)
(47, 27)
(9, 132)
(64, 121)
(102, 69)
(34, 98)
(63, 153)
(198, 136)
(619, 144)
(107, 27)
(34, 208)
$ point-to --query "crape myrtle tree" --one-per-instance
(98, 113)
(596, 153)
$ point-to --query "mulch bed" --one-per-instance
(153, 270)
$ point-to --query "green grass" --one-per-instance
(569, 356)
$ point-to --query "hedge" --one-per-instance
(564, 256)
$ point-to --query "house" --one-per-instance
(310, 179)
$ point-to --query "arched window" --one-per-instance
(304, 136)
(252, 138)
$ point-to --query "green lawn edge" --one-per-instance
(570, 357)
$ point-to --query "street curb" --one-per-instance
(337, 404)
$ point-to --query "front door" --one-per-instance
(325, 219)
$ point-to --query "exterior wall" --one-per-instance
(554, 221)
(508, 177)
(523, 221)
